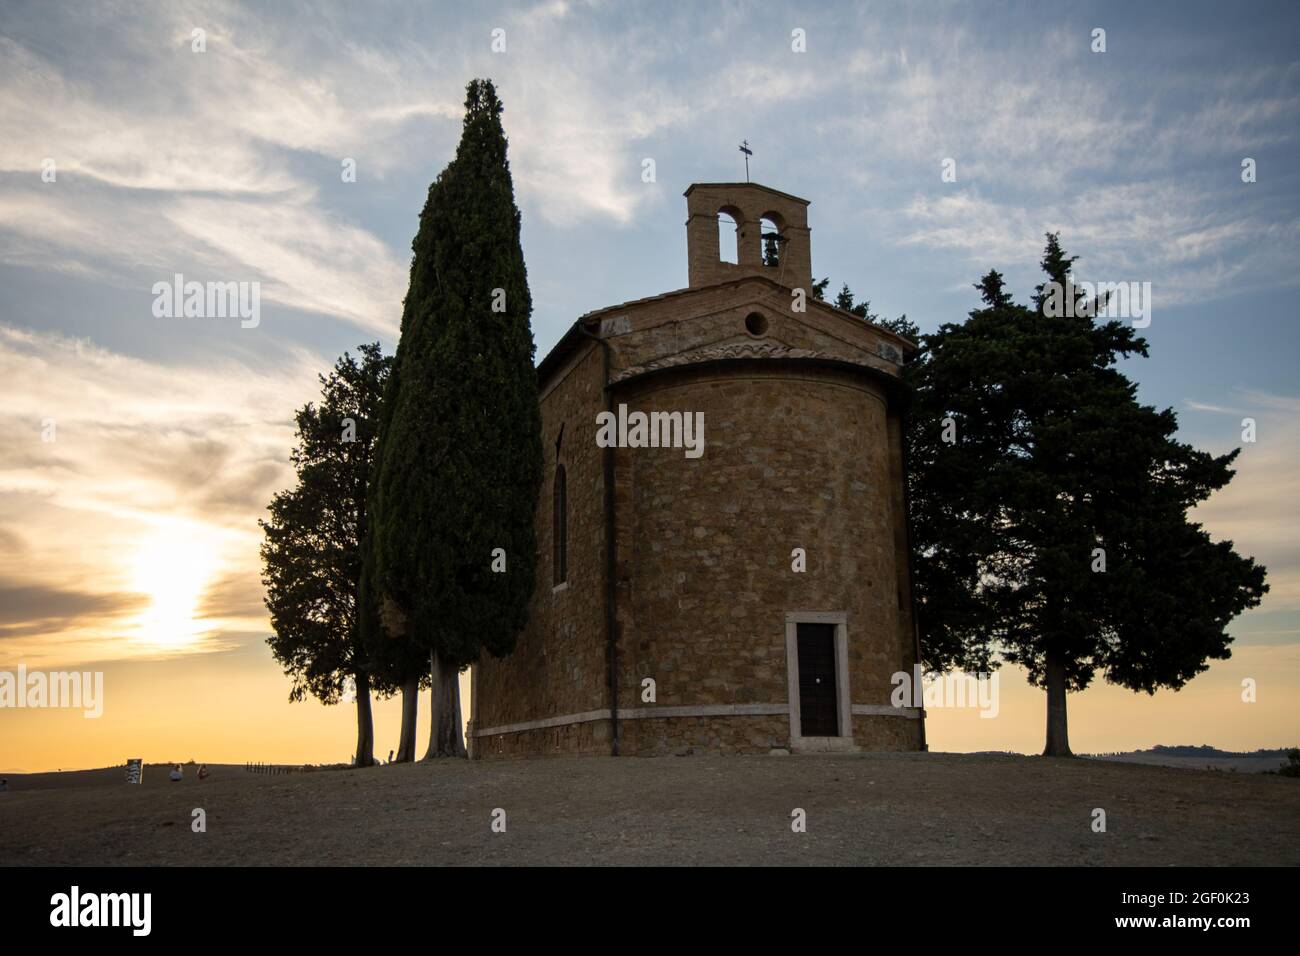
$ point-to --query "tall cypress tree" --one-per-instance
(1050, 507)
(460, 457)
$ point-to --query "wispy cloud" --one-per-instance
(1142, 232)
(148, 492)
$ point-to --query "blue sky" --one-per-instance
(225, 165)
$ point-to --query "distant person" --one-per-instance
(4, 785)
(390, 756)
(203, 771)
(176, 774)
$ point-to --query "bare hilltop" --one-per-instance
(859, 809)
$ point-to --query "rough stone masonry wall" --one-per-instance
(727, 736)
(794, 457)
(586, 738)
(872, 732)
(558, 667)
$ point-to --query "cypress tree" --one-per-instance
(459, 462)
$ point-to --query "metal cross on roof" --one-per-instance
(744, 148)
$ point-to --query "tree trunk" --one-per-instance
(410, 703)
(446, 736)
(1058, 733)
(365, 722)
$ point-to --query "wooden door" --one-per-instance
(818, 704)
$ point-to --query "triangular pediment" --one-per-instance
(744, 320)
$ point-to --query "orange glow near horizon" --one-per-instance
(232, 707)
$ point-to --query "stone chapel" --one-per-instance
(754, 597)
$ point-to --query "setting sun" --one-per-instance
(172, 569)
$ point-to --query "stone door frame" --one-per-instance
(843, 702)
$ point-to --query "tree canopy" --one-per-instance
(311, 551)
(1050, 507)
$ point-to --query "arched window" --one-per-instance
(728, 236)
(560, 527)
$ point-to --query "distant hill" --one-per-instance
(1201, 750)
(1202, 757)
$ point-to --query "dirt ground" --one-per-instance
(861, 809)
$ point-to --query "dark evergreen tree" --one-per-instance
(1050, 508)
(844, 300)
(460, 447)
(312, 552)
